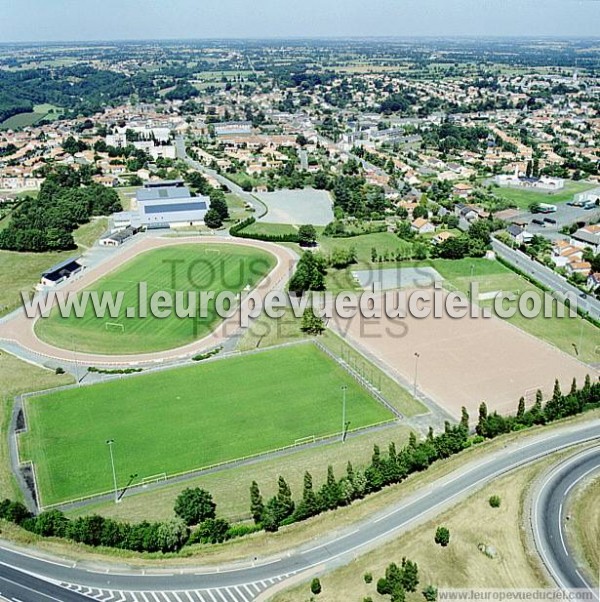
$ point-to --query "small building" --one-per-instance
(61, 271)
(441, 237)
(578, 267)
(422, 226)
(116, 239)
(519, 234)
(593, 281)
(588, 236)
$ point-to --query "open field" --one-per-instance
(304, 532)
(574, 336)
(265, 332)
(87, 234)
(297, 207)
(182, 419)
(524, 198)
(230, 488)
(584, 527)
(17, 377)
(461, 564)
(21, 120)
(21, 271)
(270, 229)
(179, 268)
(463, 362)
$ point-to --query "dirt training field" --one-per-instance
(463, 362)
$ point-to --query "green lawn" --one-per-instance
(186, 418)
(20, 271)
(270, 229)
(384, 242)
(524, 198)
(178, 268)
(86, 235)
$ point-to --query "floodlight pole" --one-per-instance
(417, 356)
(76, 361)
(344, 389)
(110, 443)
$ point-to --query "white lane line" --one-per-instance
(250, 592)
(29, 589)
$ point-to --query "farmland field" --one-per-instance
(21, 120)
(186, 418)
(180, 268)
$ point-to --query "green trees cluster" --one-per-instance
(473, 243)
(193, 507)
(46, 223)
(399, 580)
(354, 197)
(449, 137)
(383, 470)
(309, 275)
(311, 323)
(557, 407)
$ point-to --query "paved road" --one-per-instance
(247, 581)
(546, 276)
(549, 519)
(259, 207)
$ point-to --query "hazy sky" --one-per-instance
(26, 20)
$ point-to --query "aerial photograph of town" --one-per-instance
(300, 302)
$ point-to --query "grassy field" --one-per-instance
(85, 236)
(266, 332)
(270, 229)
(20, 271)
(178, 420)
(384, 242)
(230, 488)
(524, 198)
(17, 377)
(584, 528)
(208, 268)
(461, 564)
(21, 120)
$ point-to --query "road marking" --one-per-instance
(29, 589)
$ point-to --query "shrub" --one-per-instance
(368, 578)
(59, 370)
(430, 593)
(442, 536)
(495, 501)
(315, 586)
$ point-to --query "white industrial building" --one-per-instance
(167, 204)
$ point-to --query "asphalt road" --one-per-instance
(546, 276)
(229, 184)
(246, 581)
(549, 519)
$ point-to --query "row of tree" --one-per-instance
(384, 469)
(557, 407)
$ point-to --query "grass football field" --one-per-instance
(523, 198)
(186, 418)
(179, 268)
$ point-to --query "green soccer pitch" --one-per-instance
(177, 268)
(187, 418)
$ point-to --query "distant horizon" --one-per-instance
(325, 38)
(64, 21)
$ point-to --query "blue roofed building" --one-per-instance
(164, 205)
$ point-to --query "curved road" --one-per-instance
(250, 580)
(549, 519)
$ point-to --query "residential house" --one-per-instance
(422, 226)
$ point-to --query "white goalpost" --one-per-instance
(153, 479)
(114, 326)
